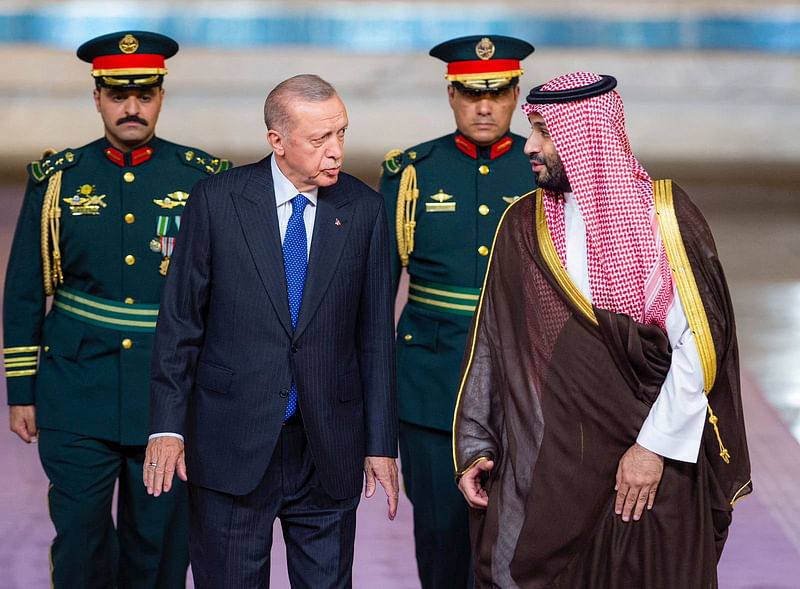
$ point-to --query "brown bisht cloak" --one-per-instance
(555, 390)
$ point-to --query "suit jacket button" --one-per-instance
(284, 393)
(294, 349)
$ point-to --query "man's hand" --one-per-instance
(384, 469)
(638, 475)
(471, 486)
(22, 419)
(166, 453)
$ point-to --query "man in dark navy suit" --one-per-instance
(274, 354)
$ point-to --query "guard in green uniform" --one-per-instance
(96, 231)
(448, 195)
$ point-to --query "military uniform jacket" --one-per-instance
(119, 215)
(463, 191)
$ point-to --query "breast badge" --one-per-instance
(163, 244)
(172, 200)
(441, 203)
(85, 201)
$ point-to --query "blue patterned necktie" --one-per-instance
(295, 260)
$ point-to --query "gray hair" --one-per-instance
(305, 87)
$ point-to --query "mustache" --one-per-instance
(537, 160)
(131, 119)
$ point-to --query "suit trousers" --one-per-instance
(148, 549)
(441, 514)
(231, 535)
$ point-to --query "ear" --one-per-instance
(96, 94)
(451, 94)
(516, 94)
(277, 142)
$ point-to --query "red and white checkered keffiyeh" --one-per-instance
(628, 267)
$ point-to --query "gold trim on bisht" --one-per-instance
(51, 233)
(407, 195)
(690, 296)
(476, 322)
(550, 256)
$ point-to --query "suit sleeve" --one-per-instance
(24, 301)
(376, 345)
(181, 318)
(389, 186)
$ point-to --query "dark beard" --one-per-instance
(553, 177)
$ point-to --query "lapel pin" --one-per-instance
(337, 222)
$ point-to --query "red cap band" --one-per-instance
(133, 61)
(477, 66)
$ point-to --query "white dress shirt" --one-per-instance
(674, 426)
(284, 193)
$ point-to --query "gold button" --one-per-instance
(483, 250)
(47, 348)
(484, 169)
(483, 210)
(129, 218)
(126, 343)
(129, 301)
(408, 337)
(128, 177)
(130, 260)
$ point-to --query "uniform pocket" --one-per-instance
(214, 378)
(62, 336)
(417, 330)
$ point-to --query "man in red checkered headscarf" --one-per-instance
(603, 339)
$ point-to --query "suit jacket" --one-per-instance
(225, 353)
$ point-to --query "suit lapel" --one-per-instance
(258, 216)
(331, 228)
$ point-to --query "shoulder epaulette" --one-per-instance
(396, 160)
(51, 163)
(204, 161)
(393, 162)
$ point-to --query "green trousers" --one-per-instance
(441, 526)
(148, 547)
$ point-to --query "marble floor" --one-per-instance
(754, 215)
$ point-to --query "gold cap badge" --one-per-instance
(484, 49)
(128, 44)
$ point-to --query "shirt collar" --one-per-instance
(284, 189)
